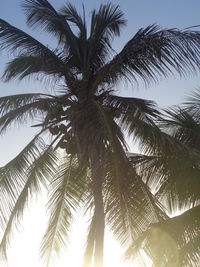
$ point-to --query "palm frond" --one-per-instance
(38, 174)
(11, 102)
(139, 118)
(173, 242)
(106, 23)
(192, 104)
(26, 65)
(13, 177)
(153, 53)
(16, 40)
(112, 132)
(14, 172)
(66, 194)
(133, 105)
(70, 13)
(179, 188)
(144, 130)
(28, 109)
(40, 13)
(130, 206)
(183, 125)
(175, 187)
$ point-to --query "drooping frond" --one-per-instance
(184, 125)
(130, 206)
(179, 188)
(121, 182)
(153, 53)
(20, 108)
(13, 178)
(173, 242)
(176, 187)
(138, 118)
(24, 112)
(140, 124)
(65, 196)
(26, 65)
(132, 106)
(14, 172)
(37, 174)
(192, 104)
(16, 40)
(12, 102)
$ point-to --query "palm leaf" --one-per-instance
(106, 23)
(177, 185)
(16, 40)
(30, 106)
(173, 242)
(145, 131)
(36, 175)
(70, 13)
(66, 194)
(40, 13)
(11, 102)
(139, 118)
(14, 172)
(112, 132)
(176, 188)
(154, 53)
(109, 20)
(183, 125)
(192, 104)
(130, 206)
(26, 65)
(133, 105)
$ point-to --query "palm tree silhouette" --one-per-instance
(86, 119)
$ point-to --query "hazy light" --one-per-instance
(24, 250)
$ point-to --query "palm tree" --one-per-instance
(174, 175)
(85, 118)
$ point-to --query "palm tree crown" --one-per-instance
(87, 120)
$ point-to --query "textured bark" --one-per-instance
(97, 176)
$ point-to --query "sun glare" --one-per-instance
(24, 250)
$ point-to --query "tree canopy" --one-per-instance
(84, 161)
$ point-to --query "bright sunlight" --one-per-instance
(26, 241)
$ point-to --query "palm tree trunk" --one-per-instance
(97, 177)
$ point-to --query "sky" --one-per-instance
(139, 13)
